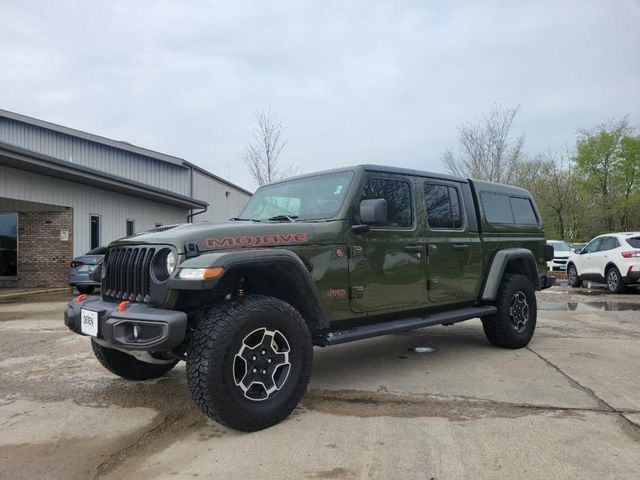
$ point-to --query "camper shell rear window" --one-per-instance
(507, 209)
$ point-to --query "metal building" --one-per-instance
(64, 192)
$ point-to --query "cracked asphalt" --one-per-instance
(567, 406)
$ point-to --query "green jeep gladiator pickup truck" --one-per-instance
(320, 259)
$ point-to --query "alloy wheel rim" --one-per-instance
(572, 274)
(612, 280)
(519, 312)
(262, 366)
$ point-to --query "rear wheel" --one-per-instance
(86, 289)
(249, 362)
(515, 321)
(572, 276)
(614, 281)
(129, 367)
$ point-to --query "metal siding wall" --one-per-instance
(221, 207)
(114, 208)
(94, 155)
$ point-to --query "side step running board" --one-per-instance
(402, 325)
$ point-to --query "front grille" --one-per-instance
(127, 274)
(560, 261)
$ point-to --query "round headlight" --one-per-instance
(171, 262)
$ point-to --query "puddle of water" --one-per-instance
(424, 349)
(589, 306)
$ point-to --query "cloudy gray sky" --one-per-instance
(354, 81)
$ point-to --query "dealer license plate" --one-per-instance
(89, 322)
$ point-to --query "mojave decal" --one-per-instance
(256, 240)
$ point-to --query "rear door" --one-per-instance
(449, 243)
(605, 253)
(387, 263)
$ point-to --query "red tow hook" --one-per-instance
(80, 298)
(123, 305)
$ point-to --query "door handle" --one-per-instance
(460, 246)
(413, 249)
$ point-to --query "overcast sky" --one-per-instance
(354, 81)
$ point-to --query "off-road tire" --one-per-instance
(615, 284)
(574, 280)
(499, 328)
(85, 289)
(220, 334)
(129, 367)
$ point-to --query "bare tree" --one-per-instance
(262, 153)
(485, 151)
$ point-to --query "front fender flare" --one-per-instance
(277, 259)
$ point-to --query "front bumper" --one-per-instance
(155, 329)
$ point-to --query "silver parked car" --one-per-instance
(82, 267)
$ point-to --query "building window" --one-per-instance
(130, 227)
(95, 231)
(8, 244)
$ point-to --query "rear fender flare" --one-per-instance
(499, 264)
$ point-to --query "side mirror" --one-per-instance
(373, 212)
(578, 251)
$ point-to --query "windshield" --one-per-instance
(308, 198)
(560, 246)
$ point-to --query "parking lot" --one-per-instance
(568, 406)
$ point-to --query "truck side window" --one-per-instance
(398, 196)
(443, 206)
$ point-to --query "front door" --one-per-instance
(449, 244)
(387, 267)
(588, 261)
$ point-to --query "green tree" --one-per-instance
(600, 162)
(629, 181)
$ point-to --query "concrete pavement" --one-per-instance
(568, 406)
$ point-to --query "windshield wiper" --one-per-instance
(282, 218)
(238, 219)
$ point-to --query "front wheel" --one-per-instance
(515, 321)
(572, 276)
(614, 281)
(249, 362)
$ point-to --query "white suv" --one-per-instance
(613, 258)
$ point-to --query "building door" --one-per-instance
(95, 231)
(8, 244)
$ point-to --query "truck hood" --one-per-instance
(230, 235)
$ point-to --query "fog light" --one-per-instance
(136, 331)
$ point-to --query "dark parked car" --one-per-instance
(82, 267)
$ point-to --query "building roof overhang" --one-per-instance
(23, 159)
